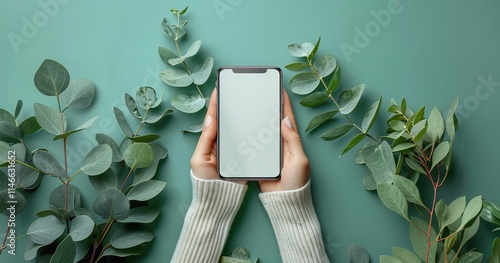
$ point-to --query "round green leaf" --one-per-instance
(145, 97)
(51, 78)
(46, 230)
(303, 83)
(188, 103)
(111, 203)
(202, 70)
(48, 164)
(166, 54)
(58, 195)
(50, 119)
(65, 251)
(10, 132)
(6, 116)
(105, 139)
(31, 250)
(98, 160)
(29, 126)
(325, 65)
(79, 94)
(6, 196)
(176, 78)
(103, 181)
(141, 214)
(146, 190)
(297, 50)
(81, 227)
(125, 236)
(349, 99)
(138, 155)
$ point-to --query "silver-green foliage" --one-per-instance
(122, 174)
(316, 73)
(415, 146)
(182, 72)
(491, 214)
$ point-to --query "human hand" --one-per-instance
(204, 159)
(295, 172)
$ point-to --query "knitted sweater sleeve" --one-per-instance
(208, 220)
(296, 225)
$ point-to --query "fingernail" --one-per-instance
(288, 122)
(208, 120)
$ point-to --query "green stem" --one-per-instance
(126, 178)
(141, 123)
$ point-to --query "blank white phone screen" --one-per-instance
(249, 135)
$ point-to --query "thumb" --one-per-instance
(291, 138)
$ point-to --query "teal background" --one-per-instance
(429, 53)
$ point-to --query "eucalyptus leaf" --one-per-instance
(334, 82)
(405, 255)
(297, 66)
(495, 257)
(370, 116)
(122, 122)
(51, 78)
(472, 211)
(166, 54)
(188, 103)
(314, 99)
(65, 251)
(98, 160)
(167, 29)
(358, 254)
(296, 50)
(133, 251)
(29, 126)
(193, 49)
(336, 132)
(435, 125)
(105, 139)
(10, 132)
(146, 190)
(419, 239)
(7, 116)
(325, 65)
(195, 128)
(471, 257)
(313, 52)
(104, 181)
(4, 149)
(369, 182)
(126, 236)
(320, 119)
(45, 230)
(349, 99)
(202, 70)
(415, 165)
(176, 78)
(389, 259)
(403, 146)
(489, 212)
(147, 173)
(81, 227)
(57, 198)
(453, 212)
(409, 189)
(50, 119)
(79, 94)
(440, 152)
(6, 196)
(44, 161)
(138, 155)
(353, 142)
(31, 250)
(419, 130)
(303, 83)
(470, 231)
(111, 203)
(380, 161)
(152, 119)
(146, 97)
(132, 106)
(393, 199)
(141, 214)
(82, 127)
(19, 106)
(145, 138)
(451, 122)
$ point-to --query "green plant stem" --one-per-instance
(100, 239)
(4, 239)
(176, 40)
(140, 123)
(126, 178)
(337, 104)
(431, 215)
(102, 251)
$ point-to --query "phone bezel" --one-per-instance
(251, 70)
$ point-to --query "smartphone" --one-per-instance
(249, 109)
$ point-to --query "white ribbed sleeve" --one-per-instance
(296, 225)
(208, 220)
